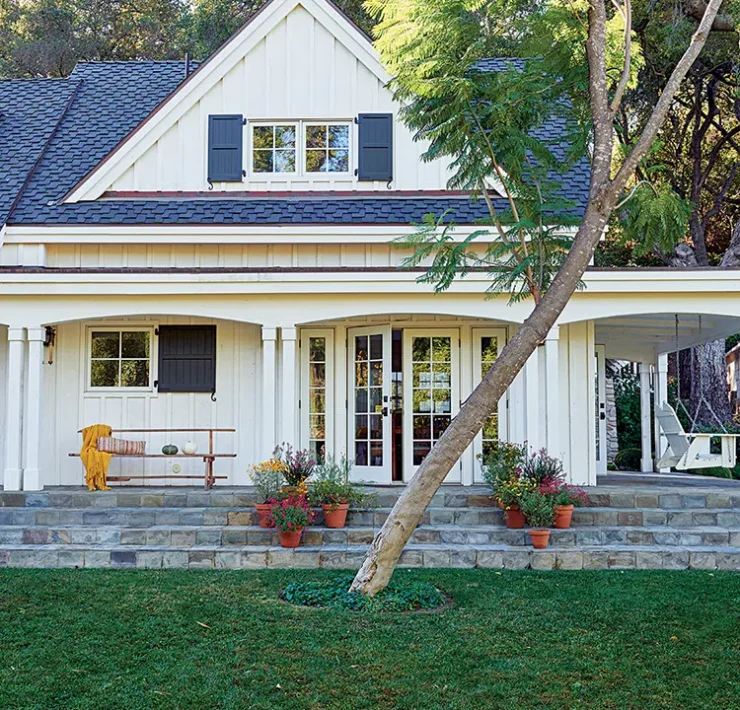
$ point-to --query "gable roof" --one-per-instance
(59, 130)
(214, 69)
(30, 110)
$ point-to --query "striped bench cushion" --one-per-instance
(121, 446)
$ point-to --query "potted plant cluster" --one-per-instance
(268, 478)
(331, 488)
(290, 515)
(531, 489)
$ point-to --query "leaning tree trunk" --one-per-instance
(382, 557)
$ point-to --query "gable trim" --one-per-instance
(196, 85)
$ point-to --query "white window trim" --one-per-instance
(305, 427)
(304, 148)
(153, 356)
(300, 128)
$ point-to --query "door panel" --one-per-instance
(487, 345)
(431, 392)
(369, 430)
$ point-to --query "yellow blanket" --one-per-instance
(95, 462)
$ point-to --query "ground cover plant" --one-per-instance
(136, 640)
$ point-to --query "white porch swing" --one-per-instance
(693, 450)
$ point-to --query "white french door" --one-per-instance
(369, 389)
(600, 397)
(487, 345)
(431, 392)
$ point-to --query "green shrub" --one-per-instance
(627, 398)
(397, 596)
(629, 459)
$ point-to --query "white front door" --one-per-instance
(369, 389)
(431, 392)
(600, 397)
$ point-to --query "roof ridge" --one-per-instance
(42, 152)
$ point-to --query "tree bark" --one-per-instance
(381, 559)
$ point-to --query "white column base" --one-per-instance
(32, 479)
(12, 479)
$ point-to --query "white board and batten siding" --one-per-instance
(3, 390)
(71, 404)
(299, 70)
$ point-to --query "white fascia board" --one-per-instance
(187, 94)
(195, 234)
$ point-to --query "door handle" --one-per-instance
(602, 416)
(384, 411)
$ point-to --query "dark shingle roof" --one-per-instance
(114, 97)
(29, 111)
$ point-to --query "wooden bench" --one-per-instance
(208, 458)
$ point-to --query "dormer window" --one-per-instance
(327, 148)
(300, 147)
(274, 148)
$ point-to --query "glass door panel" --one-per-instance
(487, 344)
(369, 394)
(431, 358)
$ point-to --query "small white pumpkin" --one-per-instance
(190, 448)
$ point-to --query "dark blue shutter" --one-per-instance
(375, 139)
(187, 358)
(225, 138)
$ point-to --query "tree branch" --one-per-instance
(625, 78)
(721, 23)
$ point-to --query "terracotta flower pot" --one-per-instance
(514, 517)
(335, 516)
(540, 538)
(563, 515)
(263, 513)
(291, 538)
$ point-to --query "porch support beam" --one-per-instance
(646, 435)
(12, 474)
(32, 419)
(552, 395)
(532, 401)
(289, 388)
(661, 395)
(269, 390)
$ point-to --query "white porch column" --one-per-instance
(269, 390)
(32, 419)
(289, 386)
(661, 395)
(552, 394)
(14, 410)
(532, 401)
(646, 435)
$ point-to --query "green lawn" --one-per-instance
(105, 640)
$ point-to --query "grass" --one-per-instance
(109, 640)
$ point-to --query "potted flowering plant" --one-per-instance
(565, 499)
(334, 492)
(297, 467)
(539, 512)
(509, 495)
(268, 479)
(290, 516)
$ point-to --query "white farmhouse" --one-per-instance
(208, 247)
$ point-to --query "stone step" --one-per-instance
(464, 517)
(350, 557)
(449, 496)
(192, 536)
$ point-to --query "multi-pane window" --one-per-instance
(317, 362)
(120, 358)
(368, 396)
(488, 355)
(431, 363)
(274, 148)
(326, 148)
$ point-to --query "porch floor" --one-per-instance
(663, 480)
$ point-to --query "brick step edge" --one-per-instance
(338, 557)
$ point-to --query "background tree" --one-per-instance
(431, 49)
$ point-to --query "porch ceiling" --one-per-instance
(643, 337)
